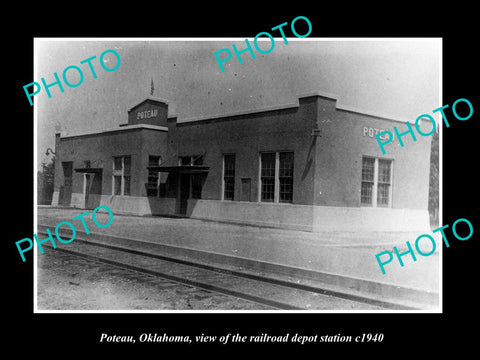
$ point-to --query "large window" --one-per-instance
(276, 177)
(286, 176)
(121, 175)
(268, 176)
(376, 182)
(228, 176)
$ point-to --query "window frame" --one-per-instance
(276, 181)
(376, 184)
(282, 178)
(123, 174)
(228, 181)
(272, 179)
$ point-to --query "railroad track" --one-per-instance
(274, 292)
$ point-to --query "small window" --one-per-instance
(117, 163)
(185, 160)
(197, 160)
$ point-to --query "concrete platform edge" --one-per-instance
(377, 291)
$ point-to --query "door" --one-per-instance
(92, 190)
(246, 189)
(182, 200)
(87, 184)
(65, 195)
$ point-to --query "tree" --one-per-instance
(433, 193)
(45, 179)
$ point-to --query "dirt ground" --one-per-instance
(67, 282)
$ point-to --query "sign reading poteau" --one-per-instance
(147, 114)
(381, 136)
(373, 131)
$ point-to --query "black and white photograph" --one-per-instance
(225, 180)
(255, 182)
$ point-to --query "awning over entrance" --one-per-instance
(89, 170)
(181, 169)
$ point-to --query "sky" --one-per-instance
(395, 77)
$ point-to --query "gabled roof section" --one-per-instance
(151, 99)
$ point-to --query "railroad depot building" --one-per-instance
(312, 165)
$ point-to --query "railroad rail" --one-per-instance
(272, 290)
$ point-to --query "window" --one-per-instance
(117, 185)
(197, 160)
(276, 177)
(384, 181)
(228, 176)
(190, 160)
(185, 160)
(126, 175)
(367, 180)
(121, 175)
(268, 176)
(376, 182)
(286, 176)
(152, 182)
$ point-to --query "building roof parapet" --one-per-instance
(318, 93)
(241, 113)
(293, 105)
(174, 117)
(123, 127)
(351, 108)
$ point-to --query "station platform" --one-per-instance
(343, 259)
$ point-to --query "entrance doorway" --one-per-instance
(184, 194)
(92, 189)
(65, 195)
(246, 189)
